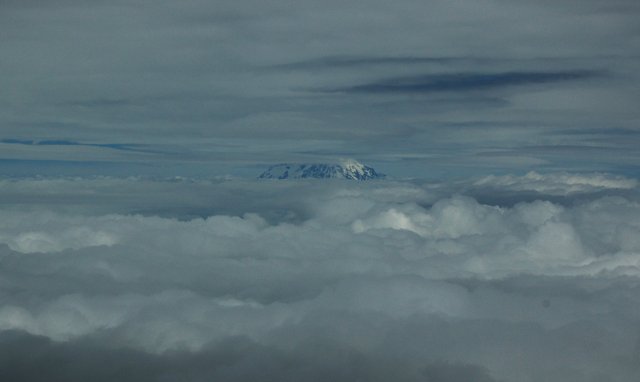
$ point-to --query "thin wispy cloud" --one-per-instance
(54, 142)
(338, 62)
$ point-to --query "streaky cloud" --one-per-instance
(467, 82)
(336, 62)
(65, 142)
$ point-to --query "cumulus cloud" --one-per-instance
(374, 281)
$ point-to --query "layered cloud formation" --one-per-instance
(140, 279)
(409, 87)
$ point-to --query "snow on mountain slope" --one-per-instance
(344, 169)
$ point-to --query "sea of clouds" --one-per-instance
(504, 278)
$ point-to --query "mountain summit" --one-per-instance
(344, 169)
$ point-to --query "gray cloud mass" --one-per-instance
(500, 278)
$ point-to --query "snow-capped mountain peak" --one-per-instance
(344, 169)
(353, 166)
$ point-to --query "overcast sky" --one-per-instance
(503, 246)
(415, 88)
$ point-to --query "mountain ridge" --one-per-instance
(345, 169)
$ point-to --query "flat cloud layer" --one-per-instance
(410, 87)
(152, 280)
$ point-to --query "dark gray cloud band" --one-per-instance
(28, 358)
(468, 82)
